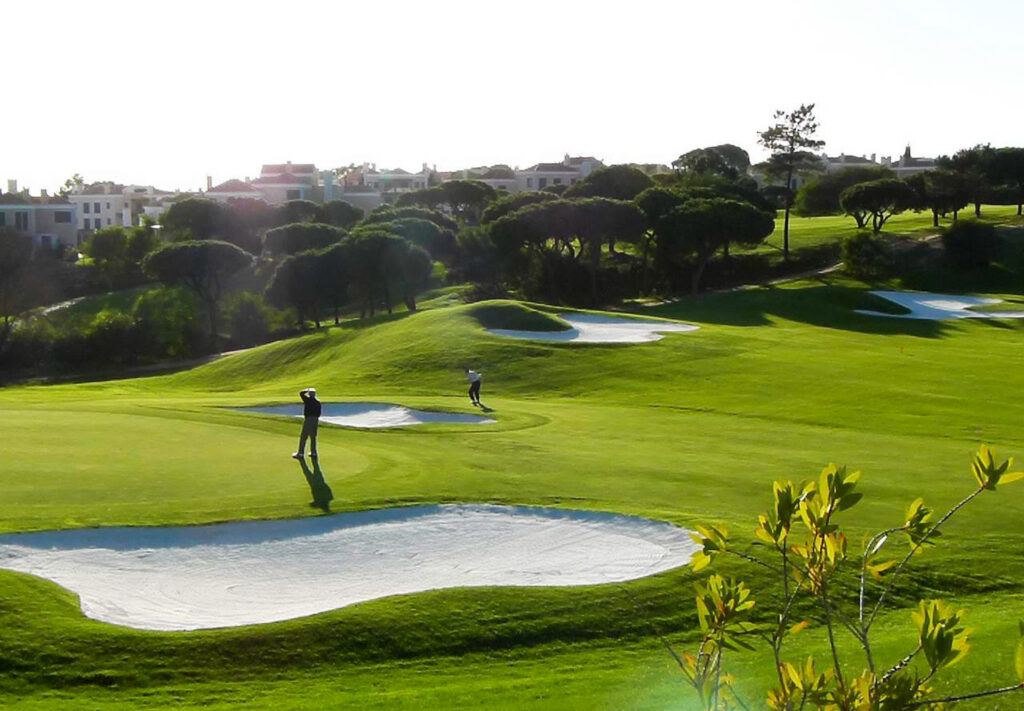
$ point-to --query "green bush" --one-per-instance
(970, 244)
(168, 323)
(248, 318)
(865, 256)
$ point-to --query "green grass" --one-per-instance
(807, 234)
(776, 383)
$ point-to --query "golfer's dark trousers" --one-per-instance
(474, 391)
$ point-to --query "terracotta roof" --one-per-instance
(233, 186)
(279, 168)
(283, 179)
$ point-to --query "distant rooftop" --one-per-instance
(279, 168)
(233, 186)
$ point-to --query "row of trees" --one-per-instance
(673, 224)
(242, 221)
(971, 176)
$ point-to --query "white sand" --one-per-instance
(195, 577)
(590, 328)
(939, 307)
(372, 415)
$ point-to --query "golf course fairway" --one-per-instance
(776, 383)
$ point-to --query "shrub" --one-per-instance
(865, 256)
(970, 244)
(248, 318)
(168, 322)
(802, 543)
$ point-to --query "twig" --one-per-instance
(965, 697)
(917, 547)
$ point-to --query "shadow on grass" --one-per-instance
(322, 494)
(825, 306)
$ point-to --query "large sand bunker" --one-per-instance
(939, 307)
(591, 328)
(223, 575)
(372, 415)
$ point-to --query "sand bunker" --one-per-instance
(195, 577)
(372, 415)
(939, 307)
(589, 328)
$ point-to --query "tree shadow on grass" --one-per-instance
(322, 494)
(825, 306)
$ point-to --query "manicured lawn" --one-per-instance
(776, 383)
(808, 233)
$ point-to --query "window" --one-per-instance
(97, 223)
(3, 219)
(87, 210)
(21, 220)
(108, 205)
(557, 181)
(529, 182)
(96, 207)
(294, 195)
(542, 183)
(62, 216)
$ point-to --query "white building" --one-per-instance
(570, 170)
(908, 165)
(49, 221)
(109, 204)
(101, 205)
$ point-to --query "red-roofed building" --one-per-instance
(233, 189)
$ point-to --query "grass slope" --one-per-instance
(692, 428)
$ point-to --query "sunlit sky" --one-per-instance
(167, 93)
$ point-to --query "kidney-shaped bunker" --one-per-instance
(193, 577)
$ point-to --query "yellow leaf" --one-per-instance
(1018, 658)
(1011, 477)
(799, 627)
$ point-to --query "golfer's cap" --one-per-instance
(311, 390)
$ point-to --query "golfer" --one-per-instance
(311, 410)
(474, 386)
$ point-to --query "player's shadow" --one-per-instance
(322, 494)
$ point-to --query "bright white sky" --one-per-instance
(167, 93)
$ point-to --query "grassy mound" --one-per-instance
(513, 316)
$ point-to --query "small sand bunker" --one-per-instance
(373, 415)
(939, 307)
(196, 577)
(590, 328)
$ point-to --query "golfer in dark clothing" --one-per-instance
(474, 379)
(311, 411)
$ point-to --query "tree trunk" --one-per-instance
(789, 205)
(702, 262)
(977, 208)
(211, 312)
(935, 217)
(643, 266)
(956, 214)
